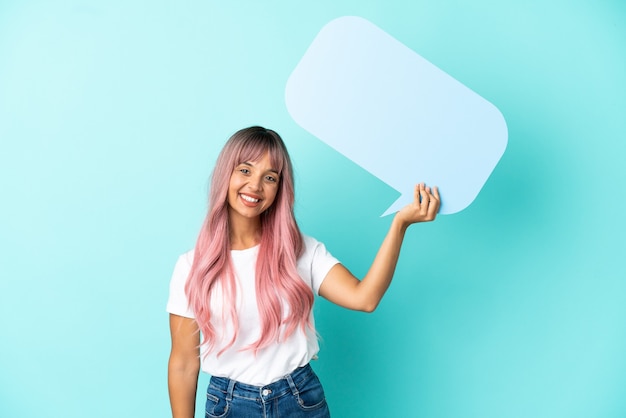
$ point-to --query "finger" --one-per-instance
(433, 206)
(436, 192)
(423, 195)
(431, 214)
(434, 197)
(416, 193)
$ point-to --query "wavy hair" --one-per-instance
(277, 281)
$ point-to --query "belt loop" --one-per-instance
(229, 391)
(292, 385)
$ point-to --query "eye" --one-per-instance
(271, 179)
(244, 171)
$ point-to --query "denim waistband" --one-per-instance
(232, 388)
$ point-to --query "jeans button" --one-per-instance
(266, 392)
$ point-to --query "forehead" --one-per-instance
(255, 156)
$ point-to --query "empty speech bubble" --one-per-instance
(395, 114)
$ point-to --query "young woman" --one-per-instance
(242, 299)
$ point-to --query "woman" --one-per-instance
(248, 287)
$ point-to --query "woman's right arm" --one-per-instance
(183, 366)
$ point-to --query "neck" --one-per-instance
(244, 232)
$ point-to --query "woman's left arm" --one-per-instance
(342, 288)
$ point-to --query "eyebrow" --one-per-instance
(249, 164)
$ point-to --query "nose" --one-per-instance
(256, 183)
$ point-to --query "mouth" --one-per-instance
(249, 199)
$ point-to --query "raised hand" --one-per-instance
(424, 207)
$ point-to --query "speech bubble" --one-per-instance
(395, 114)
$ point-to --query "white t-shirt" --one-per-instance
(274, 361)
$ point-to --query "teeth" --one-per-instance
(249, 199)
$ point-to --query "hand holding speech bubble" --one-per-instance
(395, 114)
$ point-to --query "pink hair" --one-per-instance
(277, 279)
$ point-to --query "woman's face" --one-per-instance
(252, 189)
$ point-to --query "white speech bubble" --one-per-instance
(395, 114)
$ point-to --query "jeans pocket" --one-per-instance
(216, 404)
(311, 394)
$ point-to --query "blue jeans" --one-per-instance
(298, 394)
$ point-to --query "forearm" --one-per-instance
(378, 278)
(182, 383)
(341, 287)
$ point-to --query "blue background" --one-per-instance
(111, 117)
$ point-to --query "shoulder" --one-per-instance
(177, 302)
(309, 241)
(315, 262)
(310, 246)
(183, 264)
(313, 249)
(187, 257)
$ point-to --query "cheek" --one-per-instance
(233, 189)
(274, 196)
(235, 184)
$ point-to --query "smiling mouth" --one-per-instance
(249, 198)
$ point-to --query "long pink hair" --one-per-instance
(277, 279)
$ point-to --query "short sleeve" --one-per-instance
(177, 302)
(318, 262)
